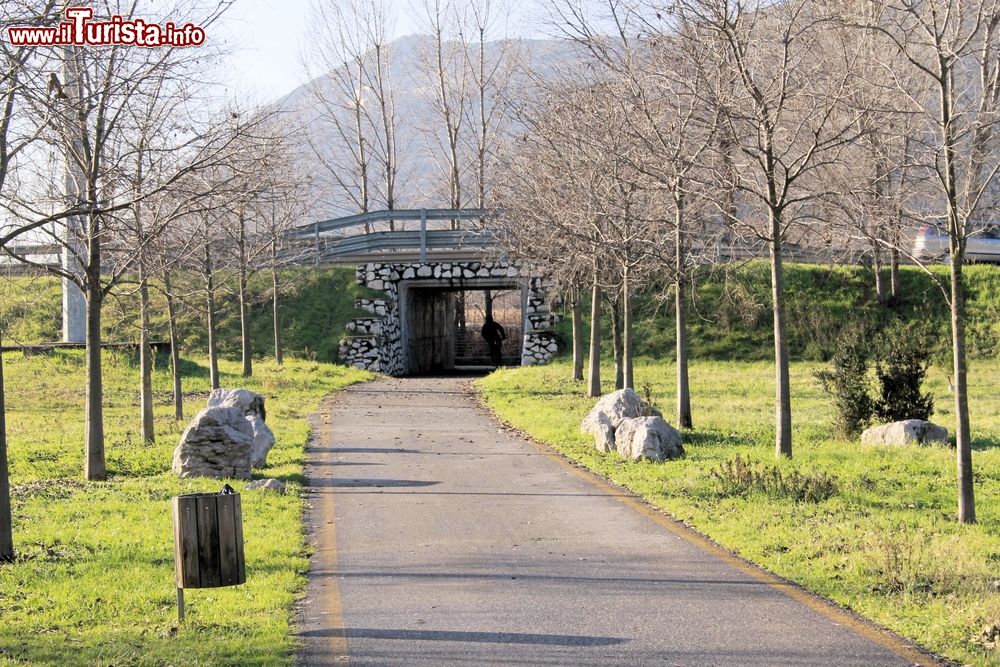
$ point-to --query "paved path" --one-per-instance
(442, 539)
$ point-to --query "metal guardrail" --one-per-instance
(386, 242)
(27, 249)
(392, 243)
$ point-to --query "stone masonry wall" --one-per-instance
(375, 343)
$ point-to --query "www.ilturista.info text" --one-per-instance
(80, 30)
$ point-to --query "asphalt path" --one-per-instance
(443, 539)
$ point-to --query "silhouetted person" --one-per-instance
(494, 336)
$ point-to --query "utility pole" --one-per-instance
(74, 306)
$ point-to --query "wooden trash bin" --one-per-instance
(208, 542)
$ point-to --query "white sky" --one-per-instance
(269, 38)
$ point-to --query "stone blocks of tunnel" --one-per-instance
(410, 329)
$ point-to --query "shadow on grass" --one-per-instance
(706, 439)
(984, 443)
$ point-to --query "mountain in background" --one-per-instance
(421, 139)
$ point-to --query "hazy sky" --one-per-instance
(269, 36)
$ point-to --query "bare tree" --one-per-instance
(354, 96)
(449, 79)
(491, 74)
(876, 174)
(94, 114)
(283, 208)
(550, 217)
(785, 112)
(17, 134)
(953, 49)
(666, 117)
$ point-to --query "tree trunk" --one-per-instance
(783, 403)
(577, 336)
(213, 351)
(245, 326)
(628, 373)
(175, 353)
(616, 344)
(94, 468)
(896, 286)
(145, 363)
(956, 243)
(879, 279)
(594, 371)
(963, 440)
(278, 356)
(680, 324)
(6, 520)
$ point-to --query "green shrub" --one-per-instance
(901, 359)
(742, 477)
(848, 383)
(900, 368)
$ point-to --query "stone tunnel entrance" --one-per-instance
(442, 326)
(431, 314)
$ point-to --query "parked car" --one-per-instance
(983, 245)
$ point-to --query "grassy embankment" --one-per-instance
(93, 583)
(315, 304)
(886, 544)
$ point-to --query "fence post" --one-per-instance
(423, 235)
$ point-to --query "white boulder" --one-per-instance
(217, 443)
(617, 406)
(251, 404)
(907, 432)
(648, 438)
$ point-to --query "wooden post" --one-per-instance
(180, 604)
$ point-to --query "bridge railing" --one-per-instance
(353, 245)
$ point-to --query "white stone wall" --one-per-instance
(361, 352)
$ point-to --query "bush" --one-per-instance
(741, 477)
(901, 367)
(901, 360)
(848, 383)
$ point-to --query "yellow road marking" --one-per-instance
(826, 608)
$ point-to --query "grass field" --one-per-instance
(315, 304)
(886, 544)
(94, 579)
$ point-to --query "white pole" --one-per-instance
(74, 306)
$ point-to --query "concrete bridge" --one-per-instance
(432, 287)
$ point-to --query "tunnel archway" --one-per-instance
(423, 317)
(442, 325)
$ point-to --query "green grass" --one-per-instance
(315, 305)
(730, 314)
(94, 579)
(885, 545)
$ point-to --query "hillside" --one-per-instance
(315, 306)
(730, 317)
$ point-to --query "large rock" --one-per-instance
(604, 436)
(908, 432)
(648, 438)
(611, 410)
(217, 443)
(251, 404)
